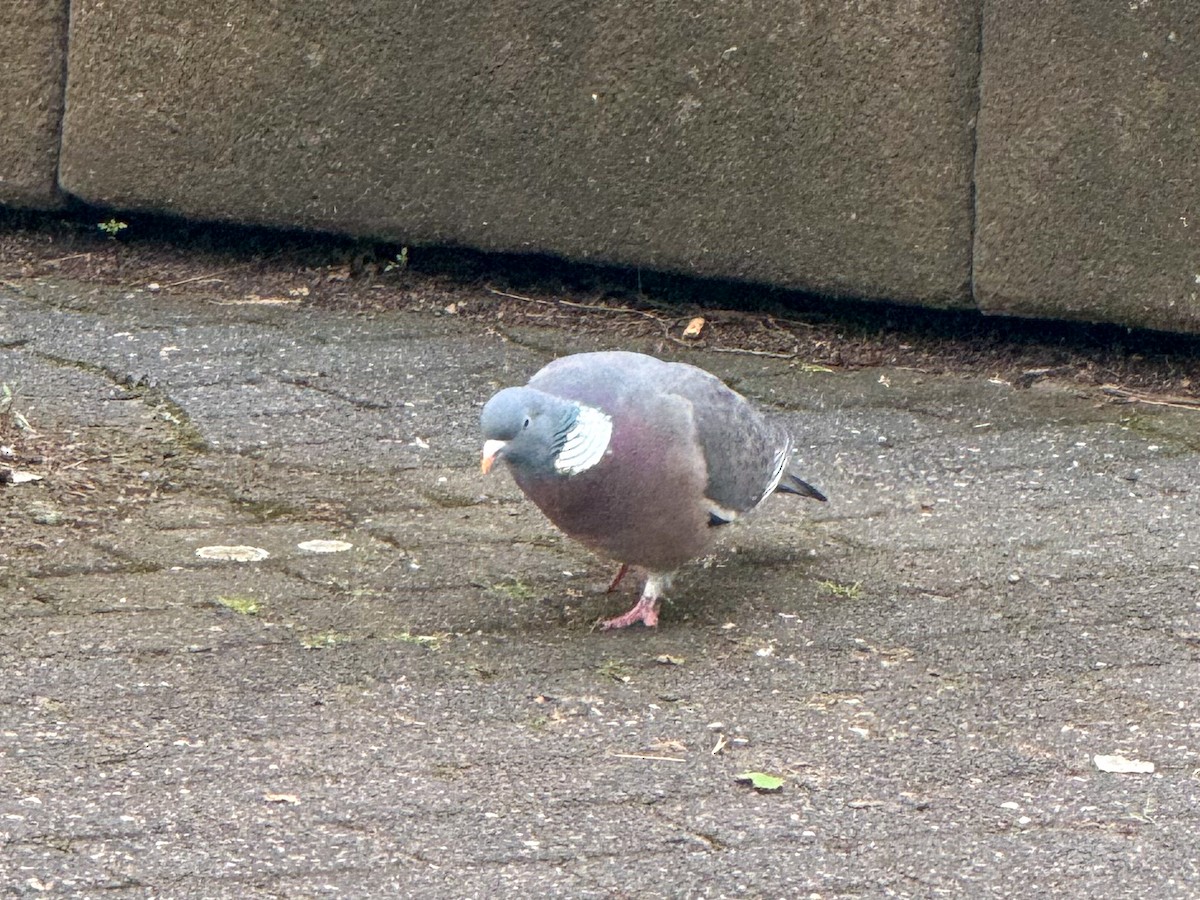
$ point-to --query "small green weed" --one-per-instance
(399, 263)
(616, 669)
(112, 227)
(430, 641)
(243, 606)
(849, 591)
(9, 417)
(515, 589)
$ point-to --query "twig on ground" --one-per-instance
(647, 756)
(591, 307)
(664, 324)
(1129, 396)
(500, 293)
(61, 259)
(210, 276)
(749, 352)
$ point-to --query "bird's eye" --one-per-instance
(526, 423)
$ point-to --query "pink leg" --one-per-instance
(646, 609)
(617, 580)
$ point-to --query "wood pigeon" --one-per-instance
(639, 459)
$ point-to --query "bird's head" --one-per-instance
(527, 428)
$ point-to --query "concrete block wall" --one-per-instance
(826, 148)
(863, 149)
(1088, 176)
(32, 66)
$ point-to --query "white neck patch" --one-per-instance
(586, 442)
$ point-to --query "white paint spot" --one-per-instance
(324, 546)
(1122, 766)
(233, 553)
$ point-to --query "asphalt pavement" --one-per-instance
(944, 665)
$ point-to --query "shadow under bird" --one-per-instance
(639, 459)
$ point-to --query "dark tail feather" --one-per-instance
(790, 484)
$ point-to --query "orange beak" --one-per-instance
(491, 449)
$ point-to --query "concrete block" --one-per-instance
(1089, 162)
(820, 146)
(32, 51)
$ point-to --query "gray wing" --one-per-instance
(746, 454)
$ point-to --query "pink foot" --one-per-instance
(645, 611)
